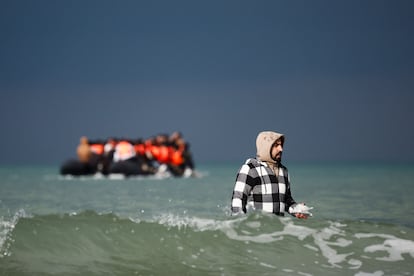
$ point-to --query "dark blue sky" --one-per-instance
(337, 77)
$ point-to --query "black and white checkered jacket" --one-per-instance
(257, 185)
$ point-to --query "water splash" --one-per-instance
(395, 247)
(6, 227)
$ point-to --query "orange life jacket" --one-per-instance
(140, 149)
(177, 157)
(97, 148)
(155, 151)
(124, 150)
(163, 156)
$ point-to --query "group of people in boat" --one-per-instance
(162, 154)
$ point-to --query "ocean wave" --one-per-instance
(328, 238)
(7, 224)
(86, 238)
(395, 247)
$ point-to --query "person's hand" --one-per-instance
(301, 216)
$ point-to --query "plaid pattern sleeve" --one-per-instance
(256, 182)
(245, 181)
(289, 201)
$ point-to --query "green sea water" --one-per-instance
(362, 224)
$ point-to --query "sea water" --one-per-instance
(362, 224)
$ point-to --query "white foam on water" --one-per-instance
(116, 176)
(376, 273)
(267, 265)
(322, 237)
(355, 263)
(326, 240)
(394, 246)
(6, 226)
(311, 247)
(291, 271)
(198, 224)
(304, 273)
(300, 232)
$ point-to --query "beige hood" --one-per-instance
(264, 142)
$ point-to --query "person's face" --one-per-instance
(277, 150)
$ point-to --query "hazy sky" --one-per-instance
(337, 77)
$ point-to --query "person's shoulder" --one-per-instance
(253, 162)
(283, 167)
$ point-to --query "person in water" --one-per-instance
(263, 182)
(84, 150)
(85, 164)
(158, 154)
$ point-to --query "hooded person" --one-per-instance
(263, 182)
(264, 143)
